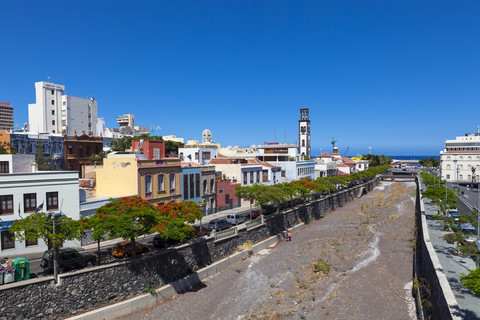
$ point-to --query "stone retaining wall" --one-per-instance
(90, 288)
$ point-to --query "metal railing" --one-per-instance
(253, 223)
(221, 234)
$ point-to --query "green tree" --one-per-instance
(39, 226)
(444, 199)
(98, 225)
(129, 218)
(171, 148)
(97, 159)
(430, 162)
(471, 280)
(42, 161)
(6, 148)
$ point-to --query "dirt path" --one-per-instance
(367, 245)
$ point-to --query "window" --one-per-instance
(251, 177)
(53, 122)
(258, 176)
(88, 151)
(185, 187)
(53, 91)
(4, 167)
(53, 112)
(7, 240)
(205, 186)
(53, 102)
(29, 202)
(303, 143)
(70, 150)
(448, 176)
(212, 185)
(192, 185)
(197, 184)
(156, 153)
(148, 184)
(80, 151)
(244, 178)
(448, 167)
(220, 191)
(196, 155)
(52, 200)
(206, 155)
(227, 198)
(6, 204)
(160, 182)
(172, 181)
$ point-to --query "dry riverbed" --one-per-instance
(355, 263)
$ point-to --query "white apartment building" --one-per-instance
(296, 170)
(78, 115)
(45, 115)
(460, 160)
(22, 193)
(54, 112)
(201, 154)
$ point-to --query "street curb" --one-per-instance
(142, 301)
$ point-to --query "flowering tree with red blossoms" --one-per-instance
(129, 218)
(133, 217)
(172, 217)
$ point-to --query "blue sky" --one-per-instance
(398, 76)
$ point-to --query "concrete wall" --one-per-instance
(442, 298)
(87, 289)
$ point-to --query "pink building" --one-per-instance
(225, 198)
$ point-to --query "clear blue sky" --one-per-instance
(398, 76)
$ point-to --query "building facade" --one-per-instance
(460, 160)
(191, 182)
(304, 146)
(79, 148)
(22, 193)
(225, 196)
(28, 143)
(154, 150)
(79, 114)
(124, 175)
(54, 112)
(6, 116)
(45, 115)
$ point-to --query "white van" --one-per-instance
(235, 218)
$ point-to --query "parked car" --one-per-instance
(124, 249)
(469, 232)
(159, 242)
(253, 214)
(235, 218)
(201, 231)
(219, 224)
(69, 258)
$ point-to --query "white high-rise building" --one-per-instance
(79, 114)
(54, 111)
(304, 134)
(45, 116)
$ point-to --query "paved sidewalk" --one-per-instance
(452, 264)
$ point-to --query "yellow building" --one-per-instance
(157, 181)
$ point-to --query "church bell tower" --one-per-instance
(304, 134)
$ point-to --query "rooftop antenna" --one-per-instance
(274, 134)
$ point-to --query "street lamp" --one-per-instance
(54, 216)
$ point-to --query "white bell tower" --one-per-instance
(304, 134)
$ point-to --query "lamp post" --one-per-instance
(54, 216)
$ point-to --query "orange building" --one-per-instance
(5, 139)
